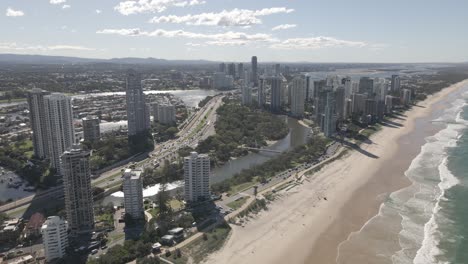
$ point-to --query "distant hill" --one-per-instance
(43, 59)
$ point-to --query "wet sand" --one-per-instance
(303, 227)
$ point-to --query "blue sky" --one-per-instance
(234, 30)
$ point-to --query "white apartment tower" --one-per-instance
(78, 192)
(55, 237)
(197, 177)
(137, 111)
(298, 95)
(59, 123)
(37, 116)
(133, 193)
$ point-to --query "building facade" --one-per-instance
(37, 116)
(164, 113)
(197, 177)
(60, 130)
(329, 128)
(91, 129)
(275, 101)
(298, 95)
(55, 237)
(246, 94)
(254, 71)
(137, 111)
(78, 191)
(133, 193)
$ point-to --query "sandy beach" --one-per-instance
(301, 226)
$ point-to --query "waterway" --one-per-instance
(297, 136)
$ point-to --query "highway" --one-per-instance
(199, 126)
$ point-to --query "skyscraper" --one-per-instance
(246, 94)
(261, 93)
(277, 69)
(59, 122)
(330, 116)
(275, 102)
(348, 86)
(340, 103)
(133, 193)
(91, 129)
(137, 111)
(38, 122)
(308, 83)
(222, 67)
(78, 192)
(366, 85)
(254, 71)
(54, 237)
(197, 177)
(395, 84)
(232, 70)
(240, 72)
(298, 93)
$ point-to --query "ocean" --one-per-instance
(434, 209)
(426, 222)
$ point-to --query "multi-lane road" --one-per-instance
(196, 128)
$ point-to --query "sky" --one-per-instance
(234, 30)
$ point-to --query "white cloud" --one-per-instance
(66, 6)
(152, 6)
(316, 43)
(227, 38)
(98, 11)
(235, 17)
(284, 26)
(191, 44)
(12, 46)
(10, 12)
(57, 2)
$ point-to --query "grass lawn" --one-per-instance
(240, 187)
(13, 100)
(154, 212)
(238, 203)
(176, 204)
(107, 218)
(115, 237)
(199, 249)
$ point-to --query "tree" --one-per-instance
(149, 260)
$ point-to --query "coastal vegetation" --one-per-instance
(309, 152)
(203, 102)
(238, 126)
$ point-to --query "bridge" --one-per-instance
(261, 149)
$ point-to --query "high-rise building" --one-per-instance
(330, 116)
(246, 94)
(261, 93)
(59, 122)
(240, 72)
(395, 84)
(78, 192)
(340, 103)
(298, 94)
(348, 86)
(366, 85)
(221, 81)
(38, 122)
(222, 67)
(164, 113)
(133, 193)
(254, 71)
(277, 69)
(319, 106)
(54, 238)
(91, 130)
(406, 96)
(197, 177)
(359, 104)
(308, 83)
(275, 100)
(232, 70)
(137, 110)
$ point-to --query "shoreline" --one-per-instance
(303, 227)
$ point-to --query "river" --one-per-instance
(297, 136)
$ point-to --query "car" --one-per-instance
(94, 251)
(104, 247)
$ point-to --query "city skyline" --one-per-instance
(283, 31)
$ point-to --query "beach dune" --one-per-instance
(309, 222)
